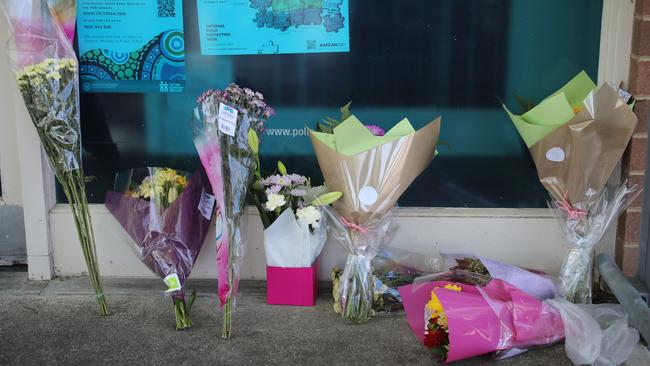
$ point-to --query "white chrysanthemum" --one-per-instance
(309, 215)
(274, 201)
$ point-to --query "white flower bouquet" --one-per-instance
(289, 207)
(294, 234)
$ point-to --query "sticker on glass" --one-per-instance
(227, 119)
(555, 154)
(368, 196)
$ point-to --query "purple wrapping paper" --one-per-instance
(167, 240)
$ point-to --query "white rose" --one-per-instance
(309, 215)
(274, 201)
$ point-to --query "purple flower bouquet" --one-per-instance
(167, 213)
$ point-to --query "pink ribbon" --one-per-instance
(353, 226)
(571, 212)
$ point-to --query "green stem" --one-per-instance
(73, 186)
(182, 311)
(227, 319)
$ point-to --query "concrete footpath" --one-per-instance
(55, 323)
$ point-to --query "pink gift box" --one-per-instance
(292, 286)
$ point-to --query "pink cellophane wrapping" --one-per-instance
(482, 320)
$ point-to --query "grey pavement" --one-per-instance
(55, 323)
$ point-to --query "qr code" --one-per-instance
(166, 8)
(311, 44)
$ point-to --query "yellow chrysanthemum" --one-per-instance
(453, 287)
(181, 181)
(434, 304)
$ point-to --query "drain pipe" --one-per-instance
(626, 294)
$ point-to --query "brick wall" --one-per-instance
(629, 226)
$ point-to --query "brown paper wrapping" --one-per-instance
(576, 160)
(387, 169)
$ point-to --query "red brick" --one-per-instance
(632, 226)
(638, 181)
(642, 111)
(638, 153)
(641, 37)
(620, 241)
(640, 77)
(630, 260)
(642, 7)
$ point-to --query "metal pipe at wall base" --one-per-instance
(626, 294)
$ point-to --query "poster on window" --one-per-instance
(131, 46)
(246, 27)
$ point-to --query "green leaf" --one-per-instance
(327, 199)
(253, 141)
(345, 111)
(191, 301)
(281, 168)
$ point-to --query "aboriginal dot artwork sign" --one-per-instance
(131, 46)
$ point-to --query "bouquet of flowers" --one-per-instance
(294, 234)
(391, 269)
(47, 73)
(457, 321)
(483, 269)
(167, 213)
(372, 171)
(394, 268)
(227, 126)
(576, 138)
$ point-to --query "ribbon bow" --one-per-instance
(571, 212)
(353, 226)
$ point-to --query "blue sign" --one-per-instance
(245, 27)
(131, 46)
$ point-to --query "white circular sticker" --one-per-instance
(555, 154)
(368, 196)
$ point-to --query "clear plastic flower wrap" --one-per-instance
(227, 126)
(356, 283)
(392, 268)
(583, 231)
(576, 138)
(372, 172)
(167, 213)
(534, 282)
(458, 317)
(44, 63)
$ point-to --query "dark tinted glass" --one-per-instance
(418, 59)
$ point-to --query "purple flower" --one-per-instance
(298, 179)
(248, 92)
(273, 189)
(376, 130)
(270, 180)
(279, 180)
(284, 180)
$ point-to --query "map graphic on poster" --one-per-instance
(236, 27)
(131, 46)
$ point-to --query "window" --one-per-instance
(418, 59)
